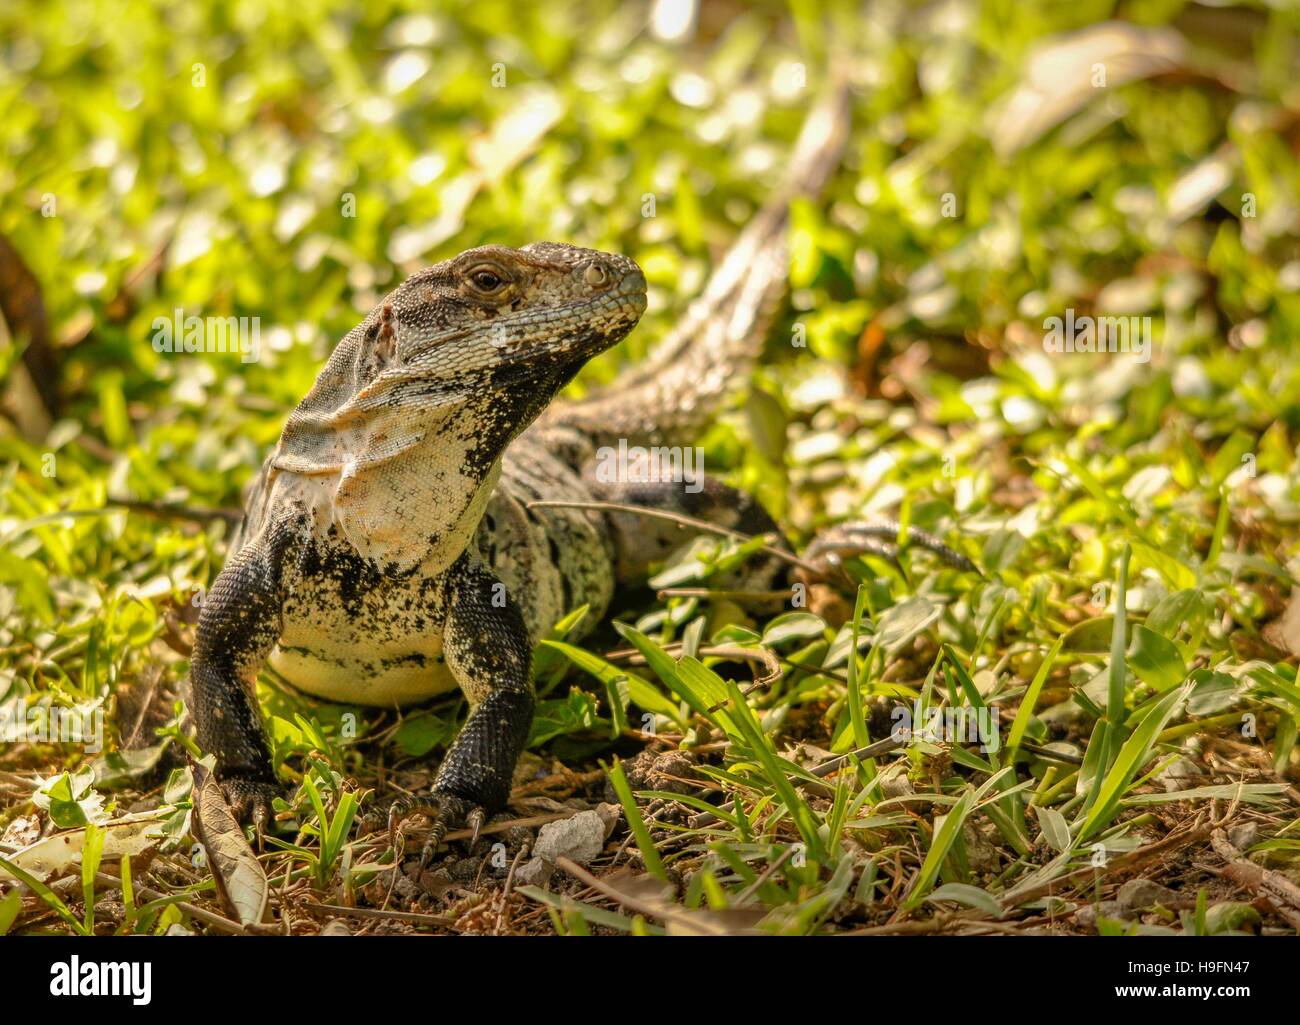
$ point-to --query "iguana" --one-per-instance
(390, 549)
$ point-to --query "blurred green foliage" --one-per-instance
(293, 164)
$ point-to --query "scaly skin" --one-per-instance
(358, 577)
(390, 551)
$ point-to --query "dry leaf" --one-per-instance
(1284, 632)
(241, 883)
(56, 855)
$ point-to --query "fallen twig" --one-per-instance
(438, 921)
(1282, 895)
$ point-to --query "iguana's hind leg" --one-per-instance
(487, 649)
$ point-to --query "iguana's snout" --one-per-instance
(618, 273)
(598, 297)
(595, 272)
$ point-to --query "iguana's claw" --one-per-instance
(250, 801)
(445, 812)
(474, 820)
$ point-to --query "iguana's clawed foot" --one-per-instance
(445, 812)
(251, 801)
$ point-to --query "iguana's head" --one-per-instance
(413, 411)
(544, 306)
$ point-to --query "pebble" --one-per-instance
(1138, 894)
(580, 838)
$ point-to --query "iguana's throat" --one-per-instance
(420, 501)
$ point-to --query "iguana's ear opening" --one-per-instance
(337, 420)
(379, 351)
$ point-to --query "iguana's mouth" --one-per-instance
(577, 332)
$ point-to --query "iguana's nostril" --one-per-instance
(595, 275)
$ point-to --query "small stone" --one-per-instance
(466, 870)
(981, 855)
(1139, 894)
(516, 837)
(436, 882)
(580, 838)
(392, 882)
(663, 770)
(896, 785)
(336, 927)
(1067, 717)
(610, 814)
(1181, 774)
(1244, 835)
(534, 872)
(1087, 916)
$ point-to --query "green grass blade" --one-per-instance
(945, 834)
(640, 832)
(861, 738)
(1132, 756)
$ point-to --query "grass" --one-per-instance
(1134, 522)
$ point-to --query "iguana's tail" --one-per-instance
(674, 394)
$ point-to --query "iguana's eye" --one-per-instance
(486, 280)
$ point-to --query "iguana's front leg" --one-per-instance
(238, 626)
(486, 647)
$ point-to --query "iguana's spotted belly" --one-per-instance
(353, 635)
